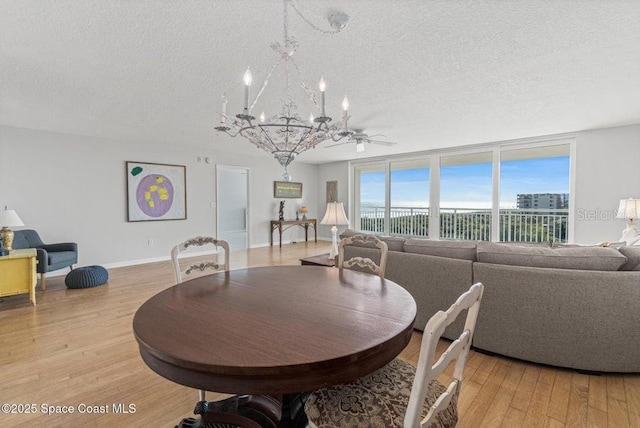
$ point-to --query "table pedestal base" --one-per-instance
(250, 411)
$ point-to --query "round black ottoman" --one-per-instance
(86, 277)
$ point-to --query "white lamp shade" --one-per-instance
(629, 208)
(335, 215)
(9, 218)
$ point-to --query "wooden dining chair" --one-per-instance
(200, 266)
(382, 398)
(364, 240)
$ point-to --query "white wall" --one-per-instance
(73, 188)
(607, 170)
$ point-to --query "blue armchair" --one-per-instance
(50, 256)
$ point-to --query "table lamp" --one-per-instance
(334, 216)
(629, 209)
(304, 210)
(8, 218)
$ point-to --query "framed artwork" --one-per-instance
(332, 191)
(156, 191)
(287, 189)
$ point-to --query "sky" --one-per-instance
(469, 186)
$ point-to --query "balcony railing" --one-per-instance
(516, 225)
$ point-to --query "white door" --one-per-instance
(233, 205)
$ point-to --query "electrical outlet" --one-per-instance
(150, 241)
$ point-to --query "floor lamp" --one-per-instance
(334, 216)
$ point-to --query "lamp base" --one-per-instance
(7, 238)
(334, 243)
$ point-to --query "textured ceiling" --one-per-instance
(427, 74)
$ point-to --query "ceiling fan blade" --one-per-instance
(383, 143)
(339, 144)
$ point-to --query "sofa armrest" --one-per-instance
(43, 260)
(65, 246)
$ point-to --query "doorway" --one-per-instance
(233, 205)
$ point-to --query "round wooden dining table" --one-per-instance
(275, 330)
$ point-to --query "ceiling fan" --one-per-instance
(360, 138)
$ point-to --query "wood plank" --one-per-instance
(537, 411)
(527, 385)
(615, 387)
(513, 419)
(617, 413)
(559, 401)
(578, 401)
(598, 392)
(596, 418)
(476, 412)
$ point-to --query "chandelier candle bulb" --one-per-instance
(247, 83)
(323, 86)
(345, 107)
(262, 117)
(223, 111)
(311, 118)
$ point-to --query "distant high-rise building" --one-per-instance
(555, 201)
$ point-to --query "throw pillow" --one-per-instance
(632, 253)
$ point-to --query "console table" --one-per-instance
(282, 225)
(18, 273)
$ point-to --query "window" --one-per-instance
(503, 192)
(409, 184)
(534, 194)
(465, 196)
(370, 191)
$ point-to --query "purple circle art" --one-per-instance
(154, 195)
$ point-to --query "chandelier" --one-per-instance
(286, 134)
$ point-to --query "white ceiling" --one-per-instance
(427, 74)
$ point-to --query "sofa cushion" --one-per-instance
(632, 253)
(464, 250)
(62, 258)
(394, 243)
(583, 258)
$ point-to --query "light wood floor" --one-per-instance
(77, 347)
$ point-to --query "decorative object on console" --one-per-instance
(281, 211)
(304, 210)
(8, 218)
(286, 134)
(156, 192)
(630, 210)
(334, 216)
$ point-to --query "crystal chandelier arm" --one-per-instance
(303, 83)
(264, 85)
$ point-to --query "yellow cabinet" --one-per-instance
(18, 273)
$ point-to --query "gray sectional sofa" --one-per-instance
(574, 307)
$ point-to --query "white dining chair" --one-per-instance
(364, 240)
(200, 266)
(399, 395)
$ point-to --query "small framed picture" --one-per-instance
(287, 189)
(156, 191)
